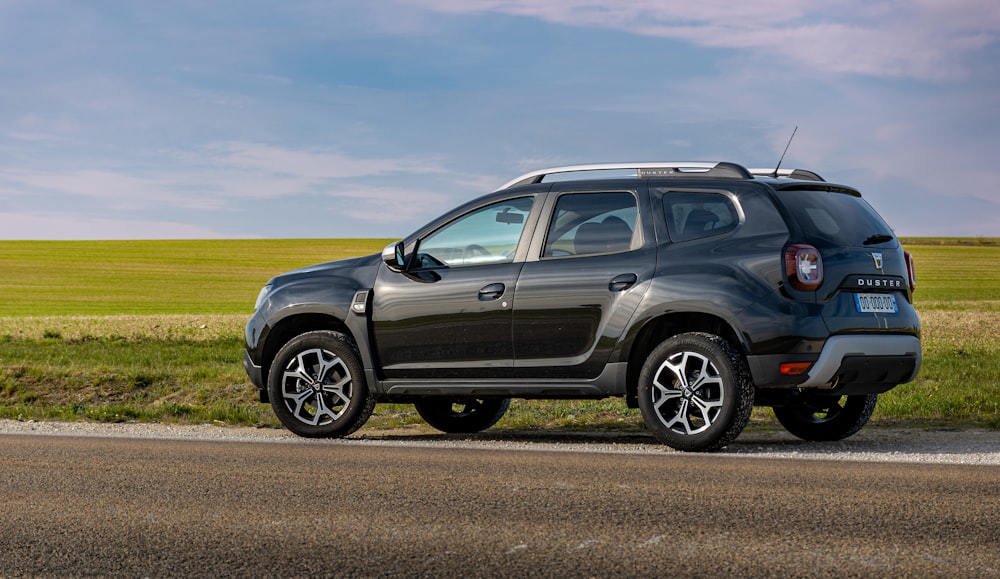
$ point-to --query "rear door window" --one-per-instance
(592, 224)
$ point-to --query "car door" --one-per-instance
(583, 281)
(448, 314)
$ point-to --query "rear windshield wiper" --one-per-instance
(878, 238)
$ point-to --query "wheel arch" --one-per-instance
(665, 326)
(291, 326)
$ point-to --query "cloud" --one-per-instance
(925, 40)
(248, 170)
(23, 136)
(390, 205)
(232, 169)
(308, 165)
(112, 190)
(214, 183)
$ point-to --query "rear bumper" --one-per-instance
(865, 363)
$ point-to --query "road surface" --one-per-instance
(155, 507)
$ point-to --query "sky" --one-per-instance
(143, 119)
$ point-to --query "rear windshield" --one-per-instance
(836, 218)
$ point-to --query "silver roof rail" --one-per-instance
(803, 174)
(671, 169)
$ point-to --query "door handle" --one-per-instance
(491, 292)
(622, 282)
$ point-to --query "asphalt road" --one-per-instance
(168, 507)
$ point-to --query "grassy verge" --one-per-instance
(118, 379)
(188, 369)
(959, 382)
(139, 331)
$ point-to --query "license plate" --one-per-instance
(876, 303)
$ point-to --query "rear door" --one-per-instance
(582, 280)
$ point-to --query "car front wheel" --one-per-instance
(462, 416)
(822, 418)
(317, 387)
(695, 392)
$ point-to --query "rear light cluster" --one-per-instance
(803, 267)
(909, 270)
(804, 272)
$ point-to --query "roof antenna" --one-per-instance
(775, 174)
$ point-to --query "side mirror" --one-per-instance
(392, 256)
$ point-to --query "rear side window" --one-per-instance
(693, 215)
(833, 218)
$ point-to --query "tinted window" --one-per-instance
(591, 223)
(693, 215)
(834, 218)
(486, 235)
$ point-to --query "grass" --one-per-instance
(115, 379)
(959, 382)
(957, 276)
(56, 278)
(152, 331)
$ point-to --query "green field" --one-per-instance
(151, 331)
(56, 278)
(956, 274)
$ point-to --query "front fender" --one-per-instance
(306, 301)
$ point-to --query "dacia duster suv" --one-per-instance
(693, 290)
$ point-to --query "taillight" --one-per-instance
(803, 267)
(909, 270)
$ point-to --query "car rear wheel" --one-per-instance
(695, 392)
(317, 388)
(822, 418)
(462, 416)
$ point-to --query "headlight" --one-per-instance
(262, 296)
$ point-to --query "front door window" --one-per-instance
(485, 236)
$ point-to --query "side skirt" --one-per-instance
(610, 383)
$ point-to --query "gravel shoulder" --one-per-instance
(874, 443)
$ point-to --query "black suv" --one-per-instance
(693, 290)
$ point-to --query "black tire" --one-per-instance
(462, 416)
(317, 386)
(821, 418)
(695, 392)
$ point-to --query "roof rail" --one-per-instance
(720, 170)
(803, 174)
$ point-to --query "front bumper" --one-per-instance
(256, 375)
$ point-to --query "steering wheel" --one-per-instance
(427, 261)
(473, 250)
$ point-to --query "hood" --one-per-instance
(360, 269)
